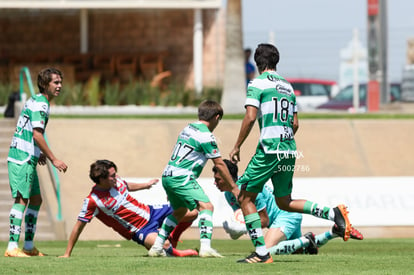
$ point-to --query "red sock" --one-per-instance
(184, 253)
(176, 233)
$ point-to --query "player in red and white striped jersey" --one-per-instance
(110, 202)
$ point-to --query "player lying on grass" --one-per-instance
(284, 234)
(112, 204)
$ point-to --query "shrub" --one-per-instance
(93, 93)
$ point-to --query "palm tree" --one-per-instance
(234, 90)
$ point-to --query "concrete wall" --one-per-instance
(141, 148)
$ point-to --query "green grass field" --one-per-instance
(370, 256)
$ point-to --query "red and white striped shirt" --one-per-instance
(116, 209)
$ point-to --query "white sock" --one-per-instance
(12, 245)
(205, 244)
(331, 215)
(262, 250)
(158, 243)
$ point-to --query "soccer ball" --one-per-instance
(236, 226)
(238, 217)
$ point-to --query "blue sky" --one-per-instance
(310, 34)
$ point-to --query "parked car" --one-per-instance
(344, 99)
(310, 93)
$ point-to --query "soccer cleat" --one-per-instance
(234, 234)
(256, 258)
(342, 221)
(17, 252)
(184, 253)
(157, 252)
(33, 252)
(209, 253)
(313, 247)
(335, 229)
(355, 234)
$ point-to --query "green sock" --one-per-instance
(323, 238)
(167, 227)
(316, 210)
(254, 228)
(15, 219)
(205, 224)
(30, 220)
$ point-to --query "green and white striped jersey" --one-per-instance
(275, 100)
(35, 114)
(195, 145)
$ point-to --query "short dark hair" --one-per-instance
(45, 76)
(99, 169)
(266, 56)
(233, 169)
(209, 109)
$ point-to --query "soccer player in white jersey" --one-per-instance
(270, 99)
(284, 234)
(27, 149)
(111, 203)
(195, 145)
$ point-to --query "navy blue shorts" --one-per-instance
(157, 215)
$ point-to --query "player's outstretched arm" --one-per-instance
(134, 186)
(74, 236)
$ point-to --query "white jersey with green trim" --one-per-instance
(275, 100)
(35, 114)
(195, 145)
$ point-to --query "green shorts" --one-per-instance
(23, 179)
(183, 191)
(262, 167)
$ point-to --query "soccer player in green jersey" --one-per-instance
(195, 145)
(29, 147)
(271, 100)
